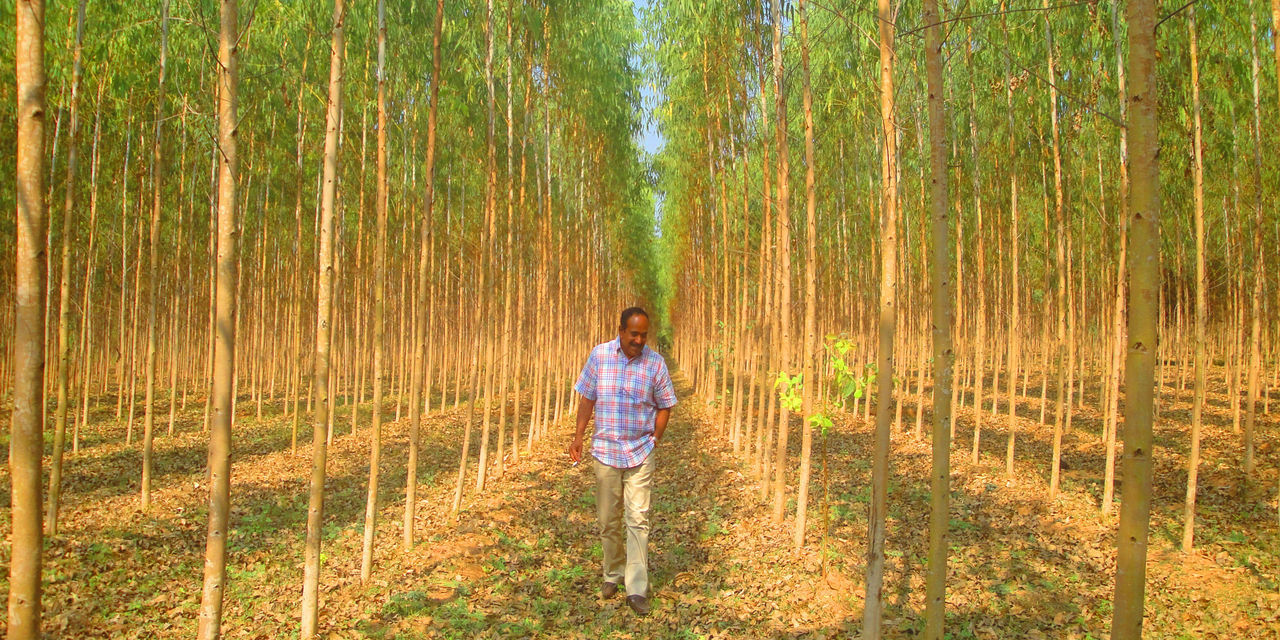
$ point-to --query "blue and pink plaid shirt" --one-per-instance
(628, 393)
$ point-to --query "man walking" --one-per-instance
(628, 387)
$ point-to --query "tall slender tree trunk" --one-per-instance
(26, 441)
(888, 321)
(324, 305)
(486, 264)
(1061, 290)
(1118, 326)
(86, 318)
(980, 317)
(176, 299)
(810, 349)
(153, 287)
(1259, 258)
(508, 266)
(1144, 266)
(1275, 45)
(420, 324)
(1197, 407)
(224, 357)
(784, 260)
(64, 287)
(1015, 315)
(299, 295)
(121, 355)
(379, 304)
(943, 318)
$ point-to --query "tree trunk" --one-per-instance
(943, 318)
(86, 318)
(1015, 316)
(1144, 266)
(1197, 407)
(1108, 484)
(379, 304)
(176, 299)
(1259, 258)
(64, 287)
(26, 441)
(810, 350)
(1275, 41)
(324, 304)
(888, 320)
(784, 261)
(420, 330)
(153, 286)
(980, 316)
(215, 566)
(1061, 290)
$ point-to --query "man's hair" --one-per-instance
(631, 311)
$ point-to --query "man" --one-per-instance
(628, 387)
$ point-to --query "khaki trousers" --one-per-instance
(619, 491)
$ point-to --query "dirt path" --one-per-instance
(523, 558)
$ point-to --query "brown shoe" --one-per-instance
(638, 604)
(608, 590)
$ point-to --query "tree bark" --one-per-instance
(379, 305)
(1259, 258)
(420, 335)
(943, 318)
(1015, 315)
(26, 442)
(888, 320)
(1197, 407)
(1118, 327)
(784, 261)
(224, 357)
(64, 286)
(86, 319)
(324, 306)
(153, 286)
(1060, 263)
(810, 349)
(1144, 267)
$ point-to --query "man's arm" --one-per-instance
(660, 423)
(585, 408)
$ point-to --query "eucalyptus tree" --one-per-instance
(784, 256)
(1197, 408)
(420, 335)
(64, 289)
(227, 87)
(157, 183)
(809, 351)
(1259, 258)
(379, 303)
(887, 325)
(26, 440)
(324, 307)
(1144, 266)
(942, 320)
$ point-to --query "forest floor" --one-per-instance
(522, 559)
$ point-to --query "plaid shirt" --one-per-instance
(628, 393)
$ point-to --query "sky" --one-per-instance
(649, 138)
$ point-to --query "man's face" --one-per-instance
(634, 335)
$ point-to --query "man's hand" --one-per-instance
(660, 424)
(585, 408)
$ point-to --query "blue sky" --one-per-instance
(650, 138)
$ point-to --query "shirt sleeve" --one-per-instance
(586, 385)
(664, 393)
